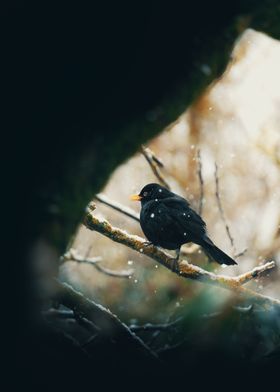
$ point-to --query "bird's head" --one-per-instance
(151, 192)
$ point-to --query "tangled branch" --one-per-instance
(72, 255)
(106, 322)
(186, 270)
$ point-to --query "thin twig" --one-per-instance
(91, 339)
(201, 183)
(256, 272)
(153, 338)
(57, 314)
(186, 269)
(242, 253)
(217, 193)
(156, 159)
(154, 327)
(85, 323)
(117, 206)
(72, 255)
(169, 347)
(117, 274)
(154, 164)
(235, 309)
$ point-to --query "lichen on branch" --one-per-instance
(186, 269)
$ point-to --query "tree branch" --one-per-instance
(155, 327)
(72, 255)
(154, 163)
(185, 250)
(186, 269)
(217, 193)
(256, 272)
(108, 324)
(117, 206)
(201, 183)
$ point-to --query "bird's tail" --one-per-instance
(215, 253)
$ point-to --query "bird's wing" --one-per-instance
(157, 224)
(185, 216)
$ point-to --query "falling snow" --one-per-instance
(152, 215)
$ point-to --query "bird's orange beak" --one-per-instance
(135, 197)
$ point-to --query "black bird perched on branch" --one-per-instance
(168, 221)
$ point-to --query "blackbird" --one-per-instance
(168, 221)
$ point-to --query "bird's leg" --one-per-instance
(174, 262)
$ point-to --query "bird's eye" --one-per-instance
(145, 194)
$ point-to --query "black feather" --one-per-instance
(167, 220)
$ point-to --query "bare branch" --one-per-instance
(171, 347)
(72, 255)
(186, 269)
(201, 183)
(118, 274)
(155, 327)
(256, 272)
(153, 156)
(217, 193)
(153, 161)
(108, 324)
(242, 253)
(85, 323)
(185, 250)
(58, 314)
(117, 206)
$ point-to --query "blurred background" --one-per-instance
(234, 124)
